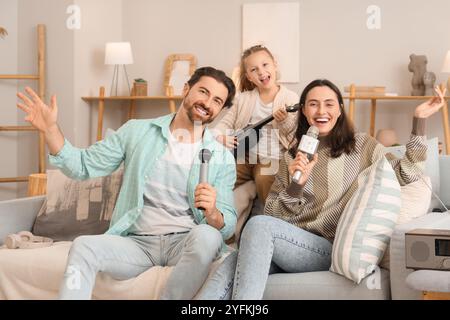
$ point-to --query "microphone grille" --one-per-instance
(204, 155)
(313, 131)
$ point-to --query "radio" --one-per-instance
(428, 249)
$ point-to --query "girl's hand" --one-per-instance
(302, 164)
(229, 142)
(280, 115)
(431, 106)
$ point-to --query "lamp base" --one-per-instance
(115, 80)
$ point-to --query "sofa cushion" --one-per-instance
(367, 222)
(432, 169)
(416, 197)
(444, 171)
(326, 285)
(75, 208)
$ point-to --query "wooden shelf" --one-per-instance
(131, 98)
(392, 97)
(19, 77)
(373, 99)
(101, 99)
(17, 128)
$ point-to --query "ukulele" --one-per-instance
(248, 137)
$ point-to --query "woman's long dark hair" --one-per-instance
(341, 138)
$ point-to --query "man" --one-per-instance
(157, 219)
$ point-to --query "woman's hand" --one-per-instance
(431, 106)
(229, 142)
(302, 164)
(280, 115)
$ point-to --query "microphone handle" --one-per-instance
(297, 176)
(203, 173)
(203, 176)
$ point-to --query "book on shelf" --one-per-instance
(366, 89)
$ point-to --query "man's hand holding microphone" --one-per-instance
(205, 195)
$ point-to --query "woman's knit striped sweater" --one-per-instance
(317, 206)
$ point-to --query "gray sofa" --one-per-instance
(18, 215)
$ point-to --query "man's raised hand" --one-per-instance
(41, 116)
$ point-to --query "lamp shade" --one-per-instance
(118, 53)
(446, 66)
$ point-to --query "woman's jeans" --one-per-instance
(126, 257)
(268, 245)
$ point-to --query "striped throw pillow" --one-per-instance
(367, 223)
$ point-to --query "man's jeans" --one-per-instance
(126, 257)
(268, 245)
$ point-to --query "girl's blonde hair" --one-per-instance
(244, 83)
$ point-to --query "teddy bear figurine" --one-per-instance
(418, 66)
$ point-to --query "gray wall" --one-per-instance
(8, 88)
(334, 43)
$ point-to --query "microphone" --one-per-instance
(204, 156)
(308, 144)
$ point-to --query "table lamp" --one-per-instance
(117, 54)
(446, 68)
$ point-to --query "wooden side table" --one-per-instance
(37, 184)
(427, 295)
(131, 108)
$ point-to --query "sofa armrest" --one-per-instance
(444, 182)
(18, 215)
(399, 272)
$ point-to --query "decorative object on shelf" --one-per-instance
(118, 54)
(387, 137)
(178, 70)
(140, 87)
(446, 69)
(418, 66)
(429, 78)
(3, 32)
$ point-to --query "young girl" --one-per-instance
(261, 97)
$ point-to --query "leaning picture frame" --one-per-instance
(178, 69)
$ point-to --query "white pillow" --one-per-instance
(367, 222)
(431, 166)
(416, 198)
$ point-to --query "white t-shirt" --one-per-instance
(166, 206)
(268, 146)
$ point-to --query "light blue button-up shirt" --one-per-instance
(138, 144)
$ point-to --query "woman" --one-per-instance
(297, 231)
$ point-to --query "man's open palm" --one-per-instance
(41, 116)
